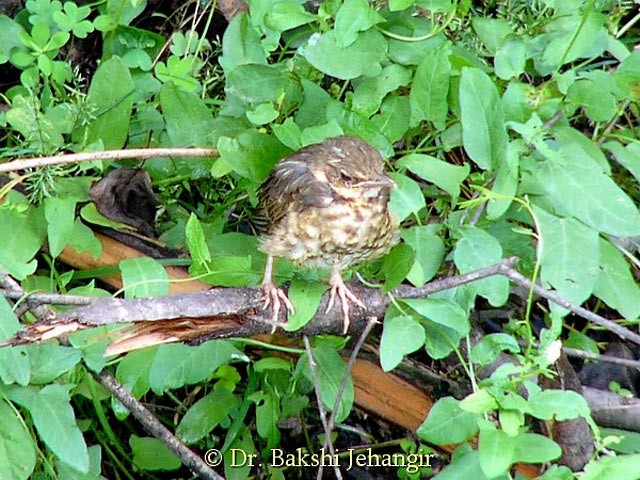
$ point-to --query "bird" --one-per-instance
(326, 206)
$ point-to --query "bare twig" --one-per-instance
(321, 409)
(345, 380)
(575, 353)
(138, 153)
(520, 279)
(405, 291)
(47, 298)
(157, 429)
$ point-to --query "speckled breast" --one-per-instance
(340, 235)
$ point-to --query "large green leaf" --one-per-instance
(17, 449)
(60, 215)
(113, 101)
(483, 131)
(55, 422)
(477, 249)
(615, 284)
(177, 365)
(430, 87)
(570, 256)
(188, 120)
(361, 58)
(401, 336)
(331, 369)
(143, 277)
(578, 187)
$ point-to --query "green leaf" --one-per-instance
(396, 265)
(429, 252)
(613, 468)
(17, 452)
(570, 256)
(251, 154)
(15, 365)
(361, 58)
(152, 455)
(401, 336)
(287, 15)
(60, 216)
(143, 277)
(491, 346)
(615, 284)
(510, 58)
(535, 448)
(55, 422)
(628, 156)
(569, 37)
(21, 236)
(84, 240)
(443, 312)
(9, 39)
(9, 323)
(447, 424)
(393, 121)
(206, 414)
(428, 96)
(491, 31)
(477, 249)
(442, 174)
(598, 103)
(464, 465)
(177, 365)
(406, 198)
(496, 450)
(113, 102)
(255, 84)
(483, 132)
(241, 44)
(50, 360)
(133, 372)
(305, 296)
(331, 369)
(196, 242)
(369, 93)
(560, 405)
(506, 183)
(352, 17)
(578, 187)
(180, 108)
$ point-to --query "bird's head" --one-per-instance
(353, 168)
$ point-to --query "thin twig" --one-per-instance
(138, 153)
(405, 291)
(572, 352)
(345, 380)
(321, 409)
(46, 298)
(520, 279)
(157, 429)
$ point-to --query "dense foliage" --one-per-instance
(510, 128)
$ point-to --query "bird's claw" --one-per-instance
(275, 297)
(339, 288)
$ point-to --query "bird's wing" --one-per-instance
(292, 186)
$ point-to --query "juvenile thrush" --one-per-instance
(326, 206)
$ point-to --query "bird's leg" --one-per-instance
(273, 295)
(339, 288)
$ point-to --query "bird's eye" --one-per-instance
(345, 177)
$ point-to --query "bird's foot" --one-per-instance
(339, 288)
(275, 297)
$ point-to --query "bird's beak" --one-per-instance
(380, 181)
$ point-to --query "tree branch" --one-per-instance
(157, 429)
(137, 153)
